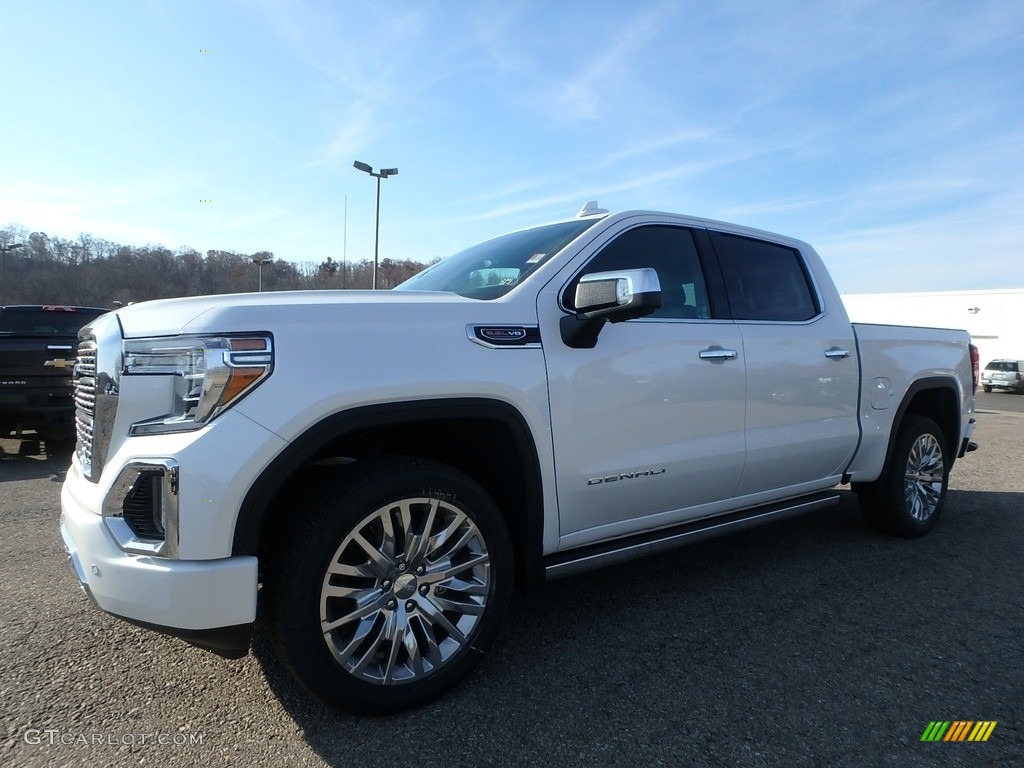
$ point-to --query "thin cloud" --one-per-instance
(580, 96)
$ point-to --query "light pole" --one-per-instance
(261, 260)
(3, 269)
(344, 247)
(384, 173)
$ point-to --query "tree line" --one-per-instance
(90, 271)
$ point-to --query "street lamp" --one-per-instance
(261, 260)
(3, 269)
(384, 173)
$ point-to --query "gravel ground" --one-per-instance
(810, 642)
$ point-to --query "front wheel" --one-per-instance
(986, 387)
(908, 499)
(394, 582)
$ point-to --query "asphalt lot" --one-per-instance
(809, 642)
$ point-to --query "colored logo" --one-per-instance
(958, 730)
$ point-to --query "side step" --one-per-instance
(619, 550)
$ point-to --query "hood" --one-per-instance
(236, 312)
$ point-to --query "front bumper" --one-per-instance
(210, 603)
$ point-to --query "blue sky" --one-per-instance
(889, 134)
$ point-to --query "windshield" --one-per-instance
(492, 268)
(45, 322)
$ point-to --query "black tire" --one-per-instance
(908, 499)
(986, 388)
(409, 563)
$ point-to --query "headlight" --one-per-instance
(209, 374)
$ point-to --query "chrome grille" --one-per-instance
(85, 402)
(97, 376)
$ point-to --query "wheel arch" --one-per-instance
(938, 398)
(474, 435)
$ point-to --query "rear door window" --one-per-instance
(765, 281)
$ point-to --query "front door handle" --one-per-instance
(717, 353)
(835, 353)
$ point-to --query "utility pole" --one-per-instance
(261, 260)
(344, 247)
(383, 174)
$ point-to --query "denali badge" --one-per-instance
(625, 476)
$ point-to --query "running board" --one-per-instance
(620, 550)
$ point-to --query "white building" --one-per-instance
(995, 319)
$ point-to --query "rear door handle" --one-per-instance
(835, 353)
(717, 353)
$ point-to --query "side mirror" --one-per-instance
(609, 297)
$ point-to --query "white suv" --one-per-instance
(1004, 374)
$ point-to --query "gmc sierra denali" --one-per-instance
(376, 470)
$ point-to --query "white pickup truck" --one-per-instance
(376, 470)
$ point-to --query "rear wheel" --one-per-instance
(908, 499)
(392, 586)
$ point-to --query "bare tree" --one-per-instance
(92, 271)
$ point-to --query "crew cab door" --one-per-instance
(647, 425)
(801, 369)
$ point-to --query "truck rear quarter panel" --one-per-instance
(896, 363)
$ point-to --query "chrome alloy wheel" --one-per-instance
(925, 477)
(405, 590)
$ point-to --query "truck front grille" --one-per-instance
(85, 403)
(97, 381)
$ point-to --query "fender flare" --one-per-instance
(257, 502)
(930, 383)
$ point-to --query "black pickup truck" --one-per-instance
(38, 345)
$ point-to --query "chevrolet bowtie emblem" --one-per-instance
(59, 362)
